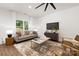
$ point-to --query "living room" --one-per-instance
(66, 14)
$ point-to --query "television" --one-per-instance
(52, 26)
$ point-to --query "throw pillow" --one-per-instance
(18, 34)
(77, 38)
(26, 33)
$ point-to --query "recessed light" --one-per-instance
(29, 6)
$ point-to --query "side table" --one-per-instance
(9, 41)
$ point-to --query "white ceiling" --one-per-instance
(23, 8)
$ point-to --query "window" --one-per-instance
(25, 25)
(21, 25)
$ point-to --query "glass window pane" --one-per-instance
(25, 25)
(19, 24)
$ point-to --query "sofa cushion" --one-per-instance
(76, 46)
(18, 34)
(26, 32)
(26, 37)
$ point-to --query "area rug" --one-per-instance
(48, 48)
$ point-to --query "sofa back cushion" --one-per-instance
(26, 32)
(77, 38)
(18, 34)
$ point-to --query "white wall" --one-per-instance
(8, 21)
(68, 19)
(68, 22)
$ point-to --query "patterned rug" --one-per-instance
(48, 48)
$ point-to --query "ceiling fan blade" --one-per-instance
(46, 7)
(52, 5)
(39, 5)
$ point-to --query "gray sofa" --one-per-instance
(27, 36)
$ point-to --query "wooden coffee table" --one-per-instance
(38, 41)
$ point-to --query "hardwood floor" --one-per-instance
(9, 51)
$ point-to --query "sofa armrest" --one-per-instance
(74, 42)
(70, 40)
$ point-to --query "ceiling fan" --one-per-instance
(46, 6)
